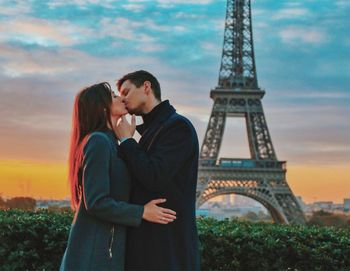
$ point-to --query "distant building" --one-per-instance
(232, 206)
(202, 212)
(302, 204)
(228, 200)
(346, 205)
(45, 203)
(323, 205)
(236, 206)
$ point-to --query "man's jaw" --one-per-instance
(134, 112)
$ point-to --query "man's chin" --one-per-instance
(133, 112)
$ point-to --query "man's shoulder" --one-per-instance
(177, 118)
(180, 122)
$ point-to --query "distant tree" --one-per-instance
(66, 209)
(255, 217)
(264, 217)
(24, 203)
(250, 216)
(58, 209)
(323, 218)
(54, 208)
(321, 213)
(3, 204)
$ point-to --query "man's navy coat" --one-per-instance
(164, 164)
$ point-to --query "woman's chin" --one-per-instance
(119, 114)
(116, 117)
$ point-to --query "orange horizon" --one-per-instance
(48, 180)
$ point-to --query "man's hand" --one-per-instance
(123, 129)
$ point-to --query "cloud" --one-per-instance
(347, 41)
(16, 8)
(293, 4)
(144, 35)
(175, 2)
(134, 7)
(291, 13)
(299, 133)
(187, 2)
(151, 25)
(123, 28)
(151, 47)
(342, 3)
(29, 30)
(45, 61)
(296, 34)
(296, 138)
(212, 48)
(82, 4)
(186, 15)
(17, 62)
(168, 4)
(36, 105)
(319, 95)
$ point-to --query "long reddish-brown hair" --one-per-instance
(91, 112)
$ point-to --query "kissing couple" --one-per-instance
(134, 202)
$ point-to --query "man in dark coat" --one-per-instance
(163, 164)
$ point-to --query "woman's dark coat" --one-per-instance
(97, 236)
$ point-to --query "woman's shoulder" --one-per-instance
(98, 135)
(98, 140)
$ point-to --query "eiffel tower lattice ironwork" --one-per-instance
(262, 177)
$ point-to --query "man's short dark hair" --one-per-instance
(138, 78)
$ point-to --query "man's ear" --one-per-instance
(148, 87)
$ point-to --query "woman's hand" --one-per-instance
(156, 214)
(123, 129)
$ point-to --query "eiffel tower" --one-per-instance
(263, 177)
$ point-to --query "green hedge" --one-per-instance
(36, 241)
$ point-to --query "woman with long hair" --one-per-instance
(100, 184)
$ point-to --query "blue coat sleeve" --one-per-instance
(155, 170)
(96, 186)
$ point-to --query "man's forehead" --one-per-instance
(126, 84)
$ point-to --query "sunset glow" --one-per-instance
(49, 180)
(34, 179)
(51, 49)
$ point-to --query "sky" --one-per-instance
(51, 49)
